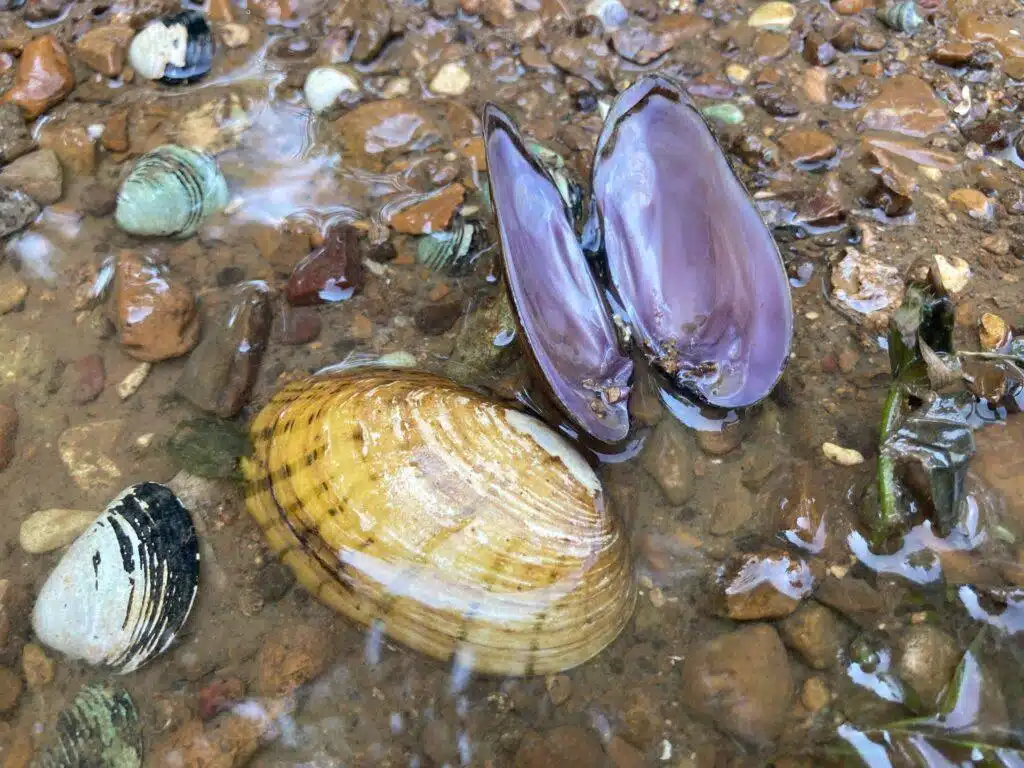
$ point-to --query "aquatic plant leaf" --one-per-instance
(689, 258)
(561, 311)
(938, 437)
(208, 447)
(923, 317)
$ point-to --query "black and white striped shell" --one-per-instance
(169, 192)
(176, 49)
(126, 585)
(100, 727)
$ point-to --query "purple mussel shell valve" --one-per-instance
(688, 256)
(561, 310)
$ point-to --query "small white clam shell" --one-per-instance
(126, 586)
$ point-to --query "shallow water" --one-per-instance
(761, 491)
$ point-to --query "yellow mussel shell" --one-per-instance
(456, 524)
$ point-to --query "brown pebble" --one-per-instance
(559, 688)
(435, 319)
(8, 435)
(431, 214)
(361, 328)
(952, 53)
(154, 311)
(10, 689)
(818, 51)
(815, 695)
(566, 746)
(115, 132)
(103, 48)
(848, 7)
(37, 666)
(44, 77)
(625, 755)
(970, 201)
(333, 272)
(88, 378)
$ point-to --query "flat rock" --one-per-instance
(642, 42)
(44, 77)
(17, 211)
(742, 682)
(906, 104)
(375, 133)
(86, 451)
(220, 371)
(852, 597)
(567, 746)
(155, 313)
(808, 146)
(431, 214)
(668, 457)
(38, 174)
(15, 139)
(760, 585)
(87, 378)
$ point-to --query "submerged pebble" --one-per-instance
(742, 681)
(44, 76)
(155, 313)
(220, 371)
(331, 273)
(8, 435)
(49, 529)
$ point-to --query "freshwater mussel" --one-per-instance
(100, 727)
(569, 333)
(688, 264)
(458, 525)
(175, 50)
(169, 192)
(124, 588)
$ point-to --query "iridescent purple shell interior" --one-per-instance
(689, 258)
(560, 307)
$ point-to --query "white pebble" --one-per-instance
(324, 85)
(48, 529)
(846, 457)
(234, 35)
(156, 46)
(130, 384)
(451, 80)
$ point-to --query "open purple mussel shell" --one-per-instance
(560, 307)
(690, 265)
(688, 257)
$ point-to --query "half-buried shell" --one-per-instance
(100, 727)
(558, 303)
(458, 525)
(169, 192)
(126, 585)
(690, 260)
(176, 49)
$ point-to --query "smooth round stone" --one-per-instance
(50, 529)
(774, 16)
